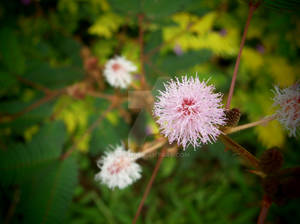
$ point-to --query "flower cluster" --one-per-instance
(118, 168)
(117, 72)
(189, 112)
(288, 102)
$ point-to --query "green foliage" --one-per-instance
(56, 44)
(50, 193)
(19, 125)
(109, 132)
(20, 161)
(286, 5)
(11, 53)
(172, 64)
(52, 76)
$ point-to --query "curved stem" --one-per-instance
(238, 59)
(263, 121)
(149, 185)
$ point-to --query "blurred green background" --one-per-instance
(54, 43)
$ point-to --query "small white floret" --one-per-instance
(117, 72)
(118, 168)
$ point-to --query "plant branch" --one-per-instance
(252, 8)
(88, 131)
(33, 84)
(33, 106)
(142, 55)
(149, 185)
(240, 150)
(263, 121)
(155, 146)
(266, 203)
(99, 95)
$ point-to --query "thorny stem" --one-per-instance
(142, 55)
(263, 121)
(88, 131)
(237, 63)
(149, 185)
(240, 150)
(266, 203)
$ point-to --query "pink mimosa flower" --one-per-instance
(189, 112)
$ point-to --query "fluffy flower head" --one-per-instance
(118, 168)
(288, 102)
(189, 112)
(117, 72)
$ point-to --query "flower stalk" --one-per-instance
(149, 185)
(263, 121)
(252, 8)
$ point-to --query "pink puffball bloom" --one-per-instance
(117, 72)
(288, 102)
(189, 112)
(118, 168)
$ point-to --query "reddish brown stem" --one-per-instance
(149, 185)
(142, 54)
(238, 59)
(100, 95)
(33, 84)
(266, 203)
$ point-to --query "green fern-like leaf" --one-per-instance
(46, 197)
(286, 5)
(23, 160)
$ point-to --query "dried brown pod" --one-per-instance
(232, 117)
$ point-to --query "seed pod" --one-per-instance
(271, 160)
(232, 117)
